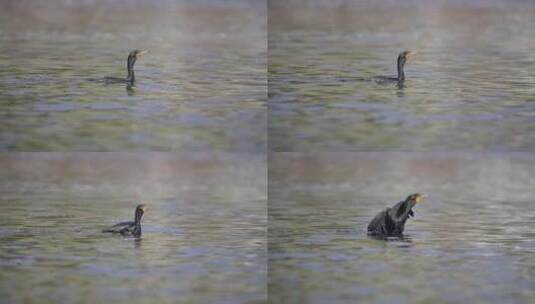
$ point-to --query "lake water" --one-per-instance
(202, 86)
(471, 241)
(470, 87)
(204, 236)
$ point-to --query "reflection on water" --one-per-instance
(202, 86)
(470, 86)
(203, 237)
(470, 241)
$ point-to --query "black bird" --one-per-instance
(130, 228)
(130, 61)
(391, 221)
(402, 59)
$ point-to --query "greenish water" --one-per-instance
(202, 86)
(471, 240)
(470, 87)
(204, 237)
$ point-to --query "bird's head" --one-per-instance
(401, 211)
(414, 199)
(404, 56)
(140, 210)
(133, 55)
(136, 53)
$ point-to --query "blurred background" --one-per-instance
(471, 240)
(202, 86)
(204, 236)
(469, 87)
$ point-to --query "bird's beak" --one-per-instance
(420, 198)
(410, 54)
(145, 208)
(143, 52)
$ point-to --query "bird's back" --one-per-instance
(385, 79)
(123, 227)
(110, 80)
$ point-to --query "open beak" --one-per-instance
(142, 52)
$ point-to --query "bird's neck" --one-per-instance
(137, 218)
(130, 78)
(137, 229)
(130, 68)
(401, 73)
(137, 223)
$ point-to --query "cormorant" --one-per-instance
(391, 221)
(402, 58)
(130, 61)
(130, 228)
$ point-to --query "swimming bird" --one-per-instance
(391, 221)
(129, 228)
(130, 61)
(402, 59)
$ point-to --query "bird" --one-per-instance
(130, 228)
(130, 61)
(391, 221)
(402, 59)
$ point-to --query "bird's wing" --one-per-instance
(118, 228)
(389, 224)
(384, 79)
(377, 225)
(127, 223)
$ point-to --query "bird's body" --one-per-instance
(385, 79)
(130, 228)
(391, 221)
(130, 77)
(111, 80)
(402, 59)
(125, 228)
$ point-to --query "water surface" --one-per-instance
(203, 237)
(471, 241)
